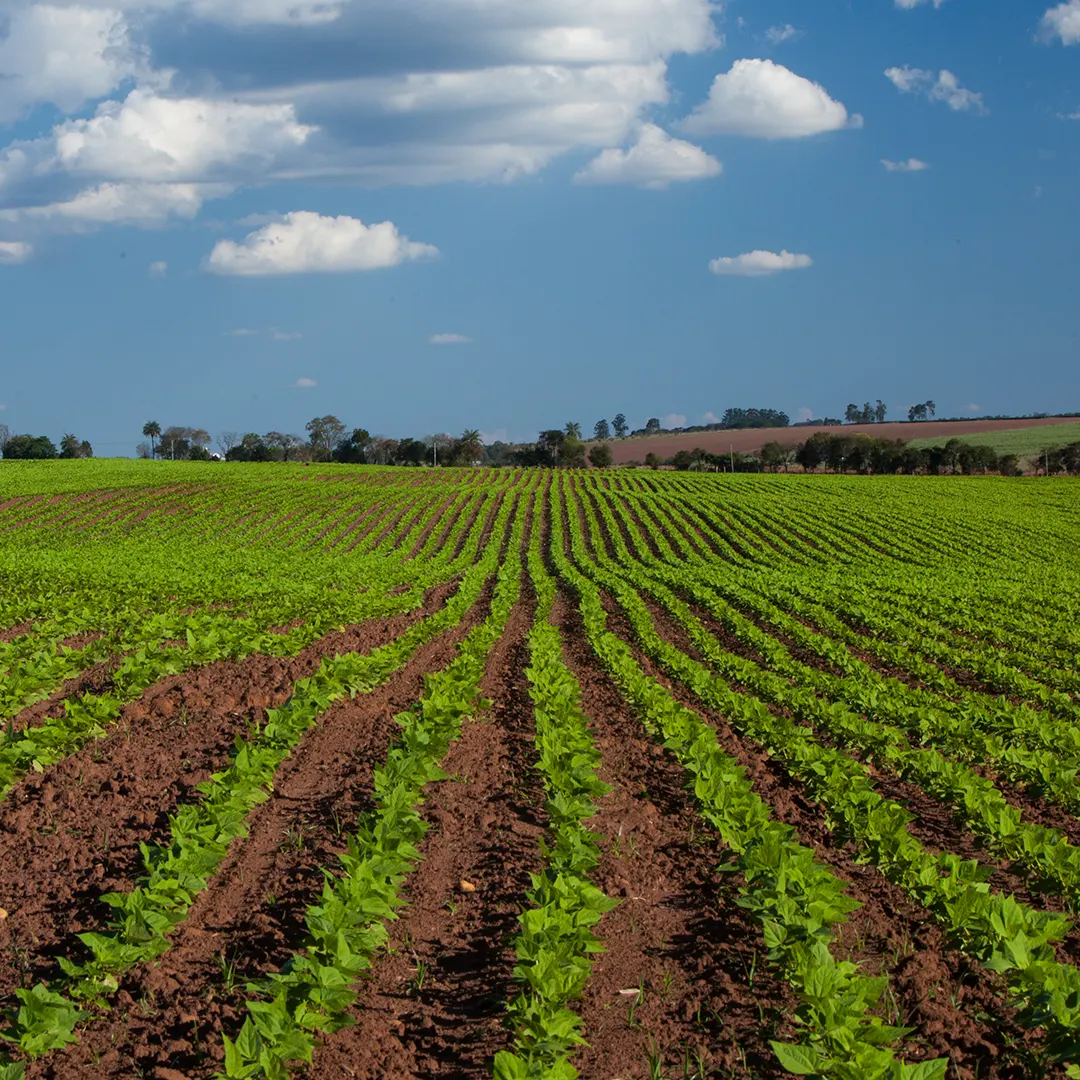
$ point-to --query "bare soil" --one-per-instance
(749, 441)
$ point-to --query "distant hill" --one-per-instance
(750, 440)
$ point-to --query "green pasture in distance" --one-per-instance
(1024, 442)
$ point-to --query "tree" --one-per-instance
(251, 447)
(551, 443)
(144, 451)
(173, 443)
(411, 452)
(620, 425)
(774, 454)
(282, 443)
(29, 448)
(652, 461)
(227, 441)
(754, 418)
(600, 456)
(601, 430)
(572, 454)
(573, 430)
(324, 432)
(653, 426)
(151, 430)
(356, 449)
(931, 408)
(69, 446)
(920, 411)
(880, 411)
(470, 447)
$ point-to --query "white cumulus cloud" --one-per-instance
(945, 86)
(449, 339)
(759, 263)
(64, 55)
(907, 5)
(1062, 22)
(911, 165)
(710, 418)
(673, 420)
(14, 251)
(306, 243)
(158, 269)
(654, 161)
(305, 384)
(765, 100)
(122, 204)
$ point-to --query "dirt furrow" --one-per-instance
(169, 1019)
(684, 974)
(72, 833)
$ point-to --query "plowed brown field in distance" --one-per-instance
(749, 441)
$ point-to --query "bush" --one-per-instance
(29, 448)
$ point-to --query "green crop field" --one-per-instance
(367, 772)
(1024, 442)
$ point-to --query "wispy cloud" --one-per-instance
(242, 331)
(305, 384)
(284, 335)
(777, 35)
(14, 251)
(911, 165)
(449, 339)
(158, 269)
(945, 86)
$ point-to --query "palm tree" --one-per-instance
(573, 430)
(470, 445)
(152, 429)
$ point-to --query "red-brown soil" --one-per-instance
(72, 833)
(434, 1005)
(749, 441)
(704, 990)
(168, 1020)
(958, 1009)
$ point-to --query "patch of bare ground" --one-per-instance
(958, 1009)
(168, 1018)
(683, 976)
(12, 632)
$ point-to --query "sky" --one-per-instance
(432, 215)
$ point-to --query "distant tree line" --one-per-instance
(41, 447)
(328, 439)
(861, 453)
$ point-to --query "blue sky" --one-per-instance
(428, 215)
